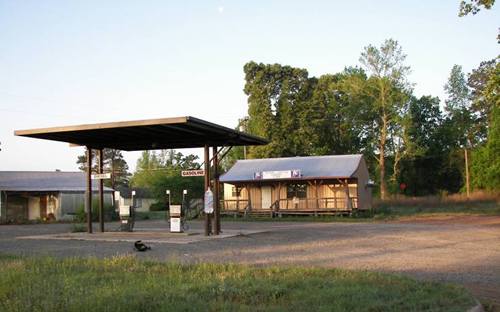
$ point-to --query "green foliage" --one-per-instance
(485, 164)
(276, 96)
(78, 227)
(113, 162)
(109, 212)
(161, 171)
(127, 284)
(485, 161)
(474, 6)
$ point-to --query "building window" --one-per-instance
(138, 202)
(236, 191)
(296, 190)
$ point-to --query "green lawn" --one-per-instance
(126, 284)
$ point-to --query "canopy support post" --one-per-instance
(207, 185)
(89, 190)
(216, 192)
(101, 191)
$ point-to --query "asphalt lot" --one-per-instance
(464, 250)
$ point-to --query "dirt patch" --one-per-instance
(452, 219)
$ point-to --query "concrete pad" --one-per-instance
(143, 235)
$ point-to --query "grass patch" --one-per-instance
(78, 227)
(126, 284)
(390, 210)
(151, 215)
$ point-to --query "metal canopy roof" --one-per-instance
(165, 133)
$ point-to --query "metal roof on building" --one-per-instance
(138, 135)
(324, 167)
(45, 181)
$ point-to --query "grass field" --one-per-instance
(126, 284)
(393, 210)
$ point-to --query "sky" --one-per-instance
(78, 62)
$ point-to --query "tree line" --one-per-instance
(414, 145)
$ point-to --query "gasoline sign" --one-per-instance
(192, 173)
(208, 202)
(101, 176)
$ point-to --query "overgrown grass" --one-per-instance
(399, 207)
(126, 284)
(477, 204)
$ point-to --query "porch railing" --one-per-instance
(240, 205)
(327, 203)
(339, 203)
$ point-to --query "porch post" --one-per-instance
(101, 191)
(237, 198)
(89, 190)
(316, 183)
(348, 199)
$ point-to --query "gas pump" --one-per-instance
(178, 215)
(175, 219)
(127, 215)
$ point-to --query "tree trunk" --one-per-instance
(383, 138)
(383, 186)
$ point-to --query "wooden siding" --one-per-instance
(320, 195)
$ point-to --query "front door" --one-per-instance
(266, 197)
(43, 206)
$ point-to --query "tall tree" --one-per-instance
(159, 171)
(458, 108)
(388, 90)
(333, 118)
(481, 105)
(426, 167)
(113, 162)
(485, 173)
(275, 97)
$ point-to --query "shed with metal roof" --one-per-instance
(298, 185)
(31, 195)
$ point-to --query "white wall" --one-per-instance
(33, 207)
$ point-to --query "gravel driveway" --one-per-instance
(463, 250)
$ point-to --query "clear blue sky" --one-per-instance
(73, 62)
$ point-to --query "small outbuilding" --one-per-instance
(336, 184)
(32, 195)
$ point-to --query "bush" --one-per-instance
(109, 213)
(159, 206)
(78, 227)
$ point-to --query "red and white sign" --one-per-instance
(193, 173)
(275, 175)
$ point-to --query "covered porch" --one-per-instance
(338, 196)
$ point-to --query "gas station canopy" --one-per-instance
(164, 133)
